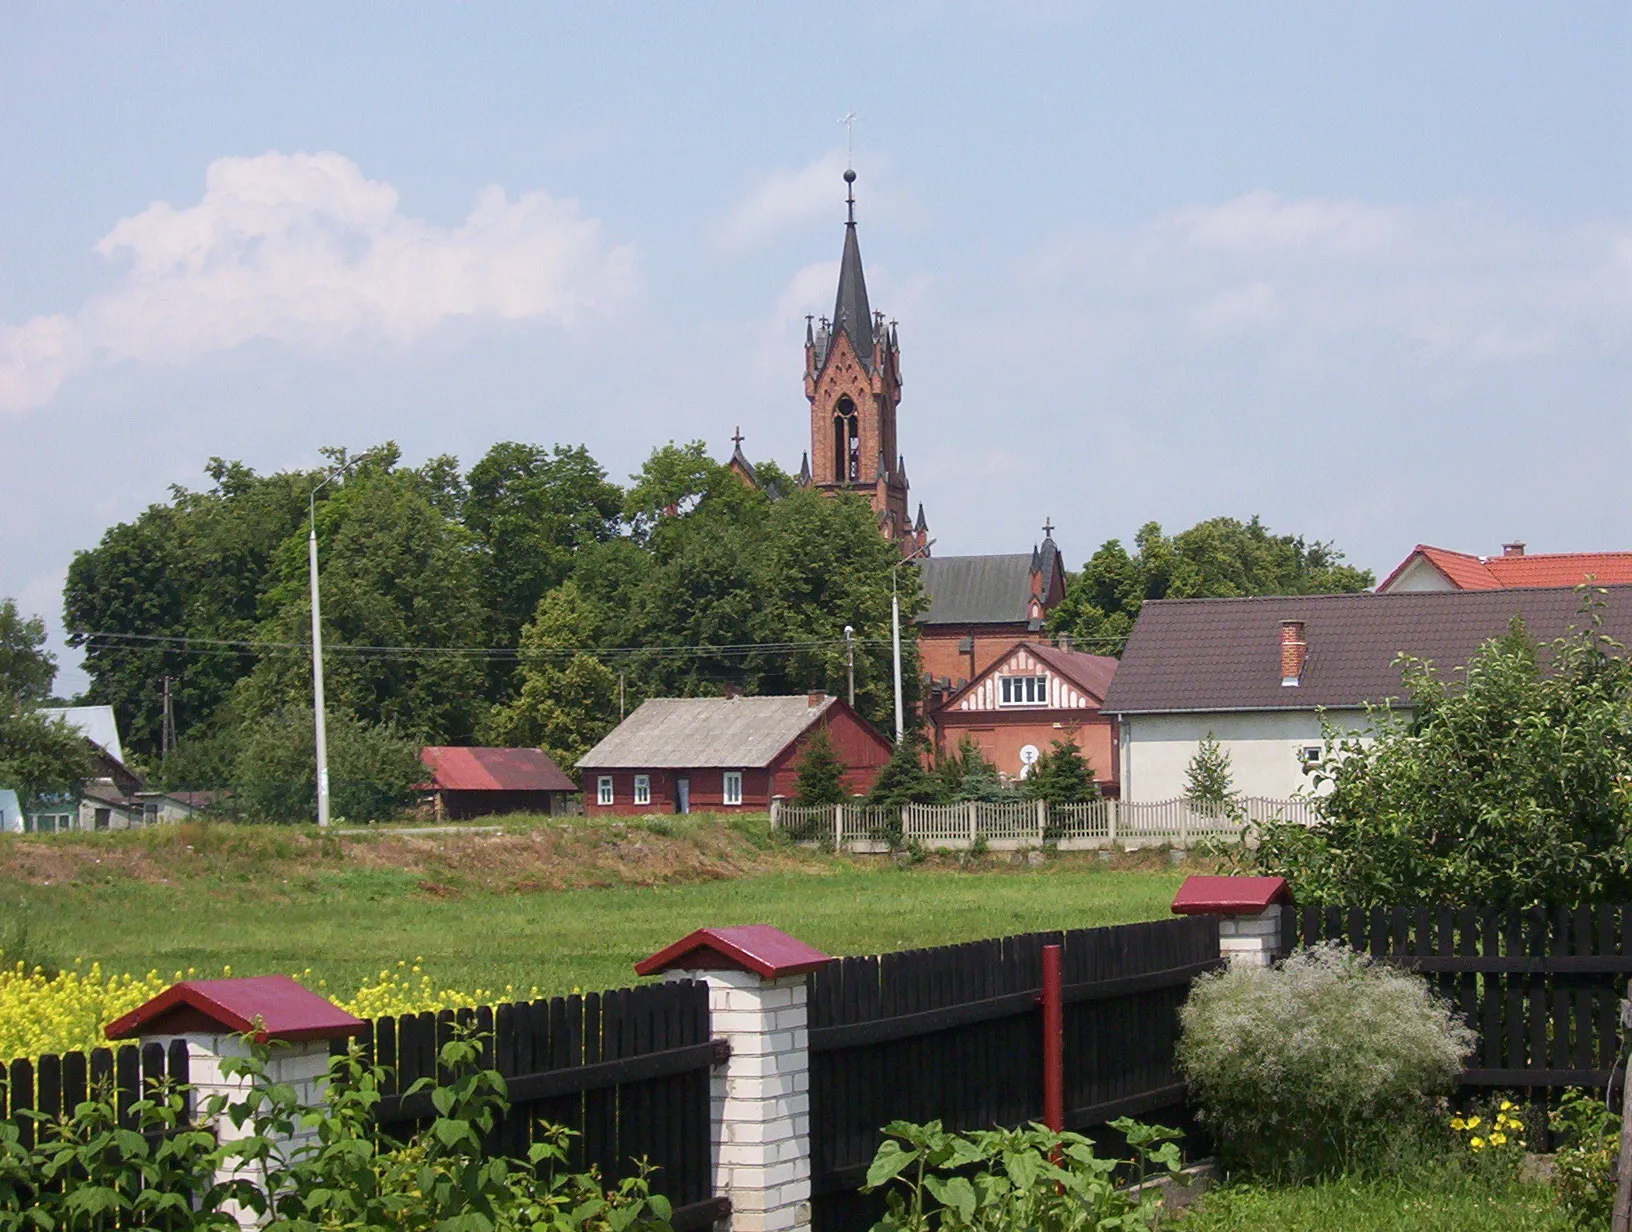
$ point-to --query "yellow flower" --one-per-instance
(1458, 1123)
(1477, 1144)
(1473, 1122)
(1514, 1123)
(1498, 1139)
(1507, 1105)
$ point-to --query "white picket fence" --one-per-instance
(1015, 825)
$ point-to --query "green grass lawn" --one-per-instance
(265, 901)
(1437, 1200)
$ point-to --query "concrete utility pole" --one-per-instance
(895, 627)
(850, 661)
(318, 710)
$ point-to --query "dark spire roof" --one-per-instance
(851, 312)
(920, 524)
(804, 470)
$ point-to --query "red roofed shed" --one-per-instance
(275, 1007)
(483, 782)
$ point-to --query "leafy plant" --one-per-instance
(1510, 784)
(1584, 1165)
(1003, 1179)
(1306, 1068)
(821, 773)
(1208, 783)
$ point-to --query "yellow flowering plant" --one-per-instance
(65, 1011)
(1490, 1135)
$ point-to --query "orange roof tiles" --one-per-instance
(1468, 572)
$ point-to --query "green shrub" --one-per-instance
(1584, 1165)
(372, 768)
(1003, 1180)
(821, 773)
(1305, 1068)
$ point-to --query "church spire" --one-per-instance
(851, 312)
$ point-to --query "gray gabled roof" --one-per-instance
(1202, 655)
(976, 590)
(96, 723)
(680, 733)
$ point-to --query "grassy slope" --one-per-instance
(548, 905)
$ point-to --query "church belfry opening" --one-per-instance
(853, 383)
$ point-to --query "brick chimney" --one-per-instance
(1513, 549)
(1294, 650)
(815, 698)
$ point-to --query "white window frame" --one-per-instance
(1310, 755)
(731, 787)
(643, 789)
(1013, 690)
(604, 794)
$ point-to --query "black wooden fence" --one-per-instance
(56, 1085)
(627, 1071)
(1542, 988)
(955, 1034)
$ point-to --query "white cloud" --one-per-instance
(1452, 283)
(302, 249)
(783, 199)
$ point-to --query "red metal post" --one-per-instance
(1053, 1042)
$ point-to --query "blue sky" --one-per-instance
(1364, 270)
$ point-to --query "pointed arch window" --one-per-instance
(846, 442)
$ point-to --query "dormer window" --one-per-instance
(1023, 690)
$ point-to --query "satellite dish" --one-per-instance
(1028, 754)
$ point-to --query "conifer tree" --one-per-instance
(1062, 775)
(903, 779)
(821, 773)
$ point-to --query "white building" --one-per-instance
(1260, 674)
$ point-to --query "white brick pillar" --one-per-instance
(1254, 940)
(214, 1017)
(760, 1114)
(1249, 910)
(303, 1065)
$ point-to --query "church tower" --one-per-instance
(853, 382)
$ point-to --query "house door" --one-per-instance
(682, 794)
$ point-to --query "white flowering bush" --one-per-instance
(1311, 1066)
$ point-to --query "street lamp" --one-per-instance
(317, 645)
(895, 626)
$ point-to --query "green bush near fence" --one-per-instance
(1322, 1065)
(88, 1171)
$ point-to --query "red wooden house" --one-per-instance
(685, 754)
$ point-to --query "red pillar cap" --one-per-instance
(274, 1007)
(767, 952)
(1230, 895)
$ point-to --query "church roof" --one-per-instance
(977, 590)
(851, 311)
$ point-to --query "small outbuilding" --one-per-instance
(483, 782)
(680, 754)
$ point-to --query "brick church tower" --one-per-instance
(853, 382)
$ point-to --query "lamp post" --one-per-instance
(895, 626)
(318, 711)
(849, 661)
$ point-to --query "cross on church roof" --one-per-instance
(1048, 528)
(738, 438)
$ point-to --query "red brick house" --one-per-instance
(691, 754)
(1027, 699)
(482, 782)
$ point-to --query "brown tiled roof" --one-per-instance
(1092, 672)
(1225, 654)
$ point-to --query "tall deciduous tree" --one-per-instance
(27, 669)
(39, 755)
(1218, 558)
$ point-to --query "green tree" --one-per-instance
(1061, 775)
(396, 575)
(531, 510)
(1508, 783)
(39, 755)
(1219, 558)
(1207, 779)
(821, 773)
(567, 700)
(373, 769)
(903, 780)
(27, 669)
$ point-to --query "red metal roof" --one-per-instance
(1229, 895)
(766, 951)
(490, 769)
(274, 1006)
